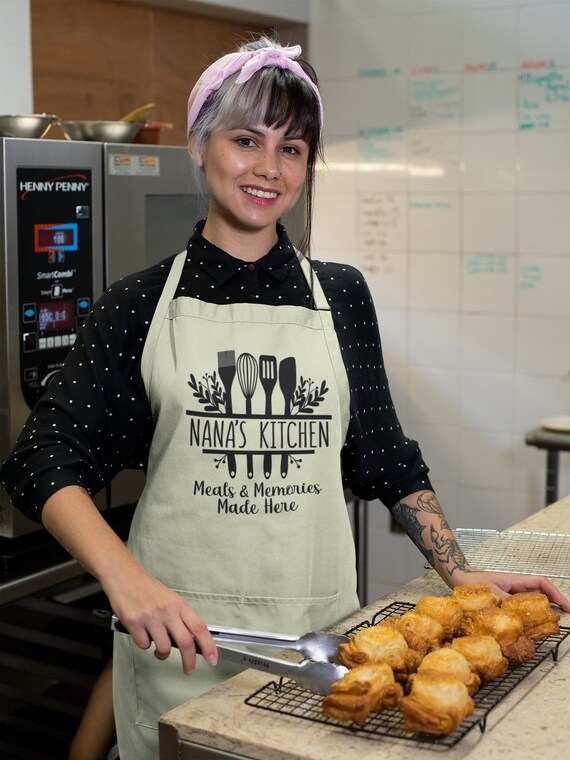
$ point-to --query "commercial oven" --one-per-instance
(74, 217)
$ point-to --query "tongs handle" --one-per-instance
(254, 638)
(233, 635)
(266, 664)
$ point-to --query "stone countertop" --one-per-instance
(528, 722)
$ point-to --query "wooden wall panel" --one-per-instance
(100, 59)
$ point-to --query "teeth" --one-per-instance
(259, 193)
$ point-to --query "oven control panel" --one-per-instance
(55, 266)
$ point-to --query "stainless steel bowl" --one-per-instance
(26, 125)
(102, 131)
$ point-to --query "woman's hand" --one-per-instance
(152, 613)
(504, 584)
(149, 610)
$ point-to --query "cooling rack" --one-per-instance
(517, 551)
(287, 698)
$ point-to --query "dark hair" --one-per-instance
(273, 97)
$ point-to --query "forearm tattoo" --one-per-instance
(442, 547)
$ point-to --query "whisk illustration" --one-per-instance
(247, 373)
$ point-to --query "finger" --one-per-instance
(139, 635)
(203, 637)
(162, 642)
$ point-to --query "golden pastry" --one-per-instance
(533, 607)
(484, 655)
(453, 663)
(380, 643)
(422, 632)
(475, 596)
(437, 704)
(364, 689)
(504, 626)
(447, 611)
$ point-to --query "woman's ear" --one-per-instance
(195, 155)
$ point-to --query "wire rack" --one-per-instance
(517, 551)
(287, 698)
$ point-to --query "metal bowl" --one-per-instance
(26, 125)
(102, 131)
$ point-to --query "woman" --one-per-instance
(249, 384)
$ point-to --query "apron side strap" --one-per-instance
(168, 291)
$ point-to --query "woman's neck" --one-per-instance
(246, 245)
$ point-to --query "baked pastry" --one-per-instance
(380, 643)
(533, 607)
(504, 626)
(484, 655)
(437, 704)
(365, 689)
(422, 632)
(451, 662)
(447, 611)
(475, 596)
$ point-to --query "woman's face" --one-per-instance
(254, 176)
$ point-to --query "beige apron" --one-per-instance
(243, 513)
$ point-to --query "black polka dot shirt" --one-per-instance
(94, 419)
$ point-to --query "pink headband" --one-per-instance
(249, 62)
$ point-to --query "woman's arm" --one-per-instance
(421, 517)
(150, 611)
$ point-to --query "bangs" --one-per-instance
(273, 98)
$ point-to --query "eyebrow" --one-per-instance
(286, 136)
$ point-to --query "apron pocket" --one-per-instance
(291, 615)
(146, 688)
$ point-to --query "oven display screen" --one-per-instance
(56, 315)
(55, 237)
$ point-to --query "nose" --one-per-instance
(268, 165)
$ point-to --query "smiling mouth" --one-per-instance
(259, 193)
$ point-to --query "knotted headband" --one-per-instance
(249, 62)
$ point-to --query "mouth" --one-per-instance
(258, 193)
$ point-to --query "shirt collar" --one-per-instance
(221, 266)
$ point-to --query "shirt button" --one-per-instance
(251, 267)
(251, 297)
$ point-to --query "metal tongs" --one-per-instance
(316, 673)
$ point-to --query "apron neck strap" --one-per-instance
(317, 293)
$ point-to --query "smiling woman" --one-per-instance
(266, 100)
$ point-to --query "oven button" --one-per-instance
(83, 306)
(30, 341)
(31, 374)
(30, 312)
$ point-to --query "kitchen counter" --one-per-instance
(526, 723)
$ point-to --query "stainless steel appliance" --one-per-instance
(74, 217)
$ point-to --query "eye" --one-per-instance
(245, 142)
(291, 150)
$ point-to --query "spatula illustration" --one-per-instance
(268, 379)
(287, 382)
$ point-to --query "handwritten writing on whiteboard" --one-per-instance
(382, 72)
(381, 222)
(434, 100)
(379, 144)
(486, 264)
(529, 276)
(544, 99)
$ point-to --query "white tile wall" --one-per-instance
(537, 213)
(454, 116)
